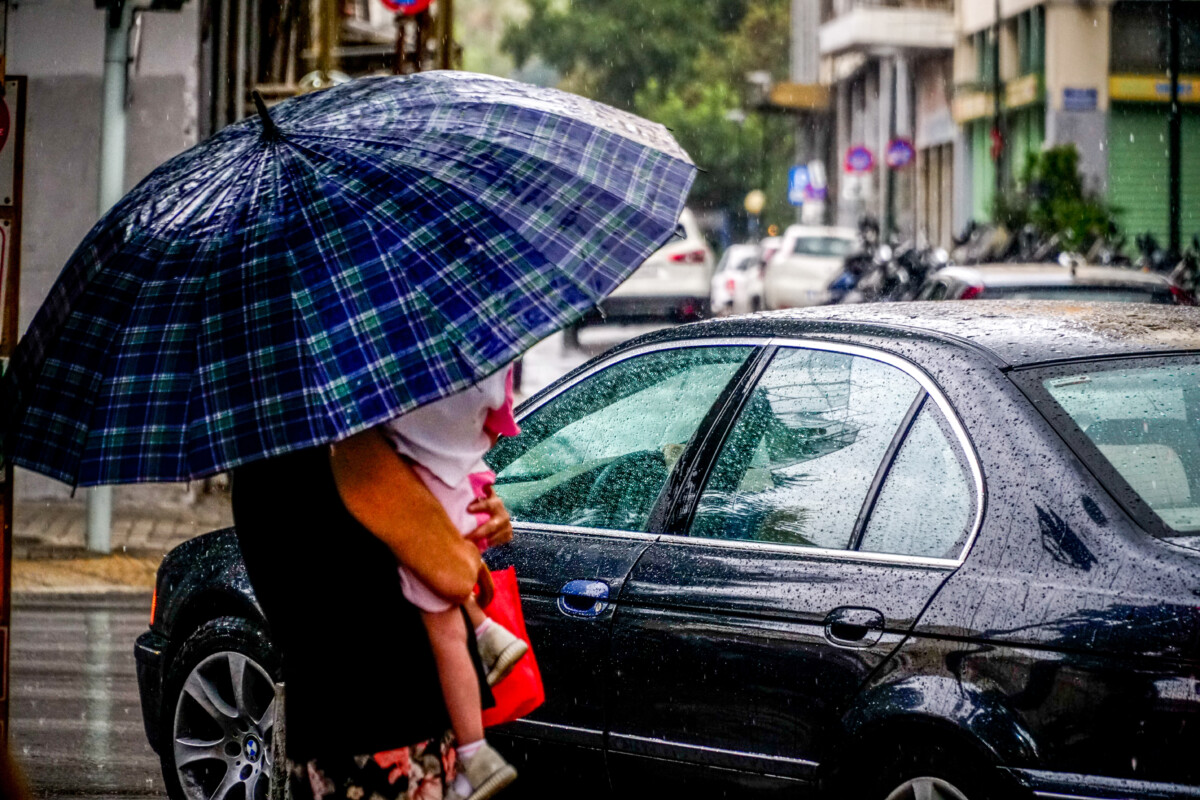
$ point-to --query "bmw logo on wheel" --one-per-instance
(253, 749)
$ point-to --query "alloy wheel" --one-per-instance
(223, 730)
(926, 788)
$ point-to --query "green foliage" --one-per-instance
(682, 63)
(735, 157)
(1051, 197)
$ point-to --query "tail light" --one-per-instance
(971, 293)
(1181, 297)
(690, 257)
(153, 606)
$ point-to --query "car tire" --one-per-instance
(222, 735)
(940, 764)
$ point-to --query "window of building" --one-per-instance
(1031, 41)
(1140, 37)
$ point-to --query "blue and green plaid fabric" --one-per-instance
(401, 240)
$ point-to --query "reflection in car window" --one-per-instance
(1145, 421)
(924, 508)
(799, 461)
(599, 454)
(823, 246)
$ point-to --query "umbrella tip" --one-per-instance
(270, 129)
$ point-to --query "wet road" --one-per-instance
(75, 714)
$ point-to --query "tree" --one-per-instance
(1051, 197)
(683, 64)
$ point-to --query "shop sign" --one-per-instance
(967, 106)
(1152, 88)
(1023, 91)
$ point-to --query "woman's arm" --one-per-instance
(383, 493)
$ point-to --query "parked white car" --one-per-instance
(672, 283)
(808, 259)
(737, 283)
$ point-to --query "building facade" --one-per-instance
(888, 65)
(1093, 75)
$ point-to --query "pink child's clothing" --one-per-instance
(446, 441)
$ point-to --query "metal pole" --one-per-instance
(998, 123)
(1174, 135)
(446, 34)
(112, 186)
(221, 73)
(239, 61)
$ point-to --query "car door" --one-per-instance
(580, 483)
(744, 634)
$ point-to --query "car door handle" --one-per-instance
(583, 598)
(853, 626)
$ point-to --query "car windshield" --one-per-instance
(834, 246)
(1142, 422)
(1107, 294)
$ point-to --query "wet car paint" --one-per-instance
(1064, 649)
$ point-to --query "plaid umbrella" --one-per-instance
(378, 246)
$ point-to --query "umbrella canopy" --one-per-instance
(382, 244)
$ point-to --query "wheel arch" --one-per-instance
(945, 713)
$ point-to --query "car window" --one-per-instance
(1143, 419)
(1107, 294)
(598, 454)
(823, 246)
(798, 463)
(926, 503)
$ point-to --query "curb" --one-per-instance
(101, 598)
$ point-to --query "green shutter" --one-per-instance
(983, 172)
(1137, 168)
(1189, 218)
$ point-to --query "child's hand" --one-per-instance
(487, 589)
(498, 529)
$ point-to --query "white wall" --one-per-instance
(59, 46)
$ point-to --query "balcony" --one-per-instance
(882, 25)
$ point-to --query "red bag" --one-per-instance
(521, 691)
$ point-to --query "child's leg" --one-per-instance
(475, 613)
(456, 671)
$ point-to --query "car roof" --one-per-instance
(1053, 275)
(820, 230)
(1010, 333)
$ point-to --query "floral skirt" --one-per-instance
(417, 772)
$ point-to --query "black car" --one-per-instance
(921, 550)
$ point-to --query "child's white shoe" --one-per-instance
(487, 773)
(499, 650)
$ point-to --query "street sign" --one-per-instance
(406, 7)
(798, 184)
(900, 153)
(859, 158)
(818, 182)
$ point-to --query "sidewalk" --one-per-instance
(49, 540)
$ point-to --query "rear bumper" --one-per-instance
(649, 308)
(148, 654)
(1062, 785)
